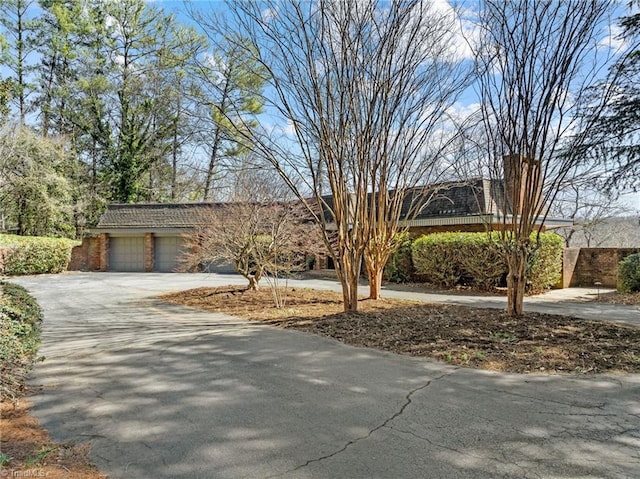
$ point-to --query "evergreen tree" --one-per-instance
(611, 135)
(19, 29)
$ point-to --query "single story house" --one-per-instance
(151, 237)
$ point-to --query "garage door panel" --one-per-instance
(126, 254)
(168, 252)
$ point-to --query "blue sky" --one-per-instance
(468, 101)
(610, 42)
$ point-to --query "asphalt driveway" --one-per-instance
(163, 391)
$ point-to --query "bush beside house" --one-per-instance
(21, 255)
(545, 266)
(475, 259)
(399, 268)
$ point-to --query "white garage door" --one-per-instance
(126, 253)
(169, 249)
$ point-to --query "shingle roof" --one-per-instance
(453, 199)
(176, 215)
(457, 199)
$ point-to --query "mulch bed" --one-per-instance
(473, 337)
(29, 451)
(629, 299)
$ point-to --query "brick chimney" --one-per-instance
(523, 185)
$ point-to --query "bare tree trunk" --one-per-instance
(212, 164)
(253, 282)
(352, 305)
(174, 152)
(516, 280)
(347, 270)
(375, 283)
(375, 271)
(22, 108)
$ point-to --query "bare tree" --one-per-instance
(591, 210)
(364, 87)
(258, 231)
(230, 236)
(535, 60)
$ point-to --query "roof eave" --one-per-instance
(137, 230)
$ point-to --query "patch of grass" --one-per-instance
(503, 337)
(41, 456)
(479, 355)
(28, 449)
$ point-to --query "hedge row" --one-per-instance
(629, 274)
(471, 259)
(34, 255)
(20, 318)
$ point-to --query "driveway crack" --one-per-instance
(385, 423)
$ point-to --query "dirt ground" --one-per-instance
(471, 337)
(27, 449)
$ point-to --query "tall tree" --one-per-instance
(128, 55)
(364, 88)
(535, 60)
(228, 93)
(146, 43)
(60, 28)
(35, 193)
(18, 25)
(170, 83)
(614, 142)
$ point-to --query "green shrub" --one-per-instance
(437, 258)
(20, 318)
(629, 274)
(481, 260)
(545, 263)
(34, 255)
(399, 268)
(476, 259)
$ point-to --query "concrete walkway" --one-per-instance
(577, 302)
(163, 391)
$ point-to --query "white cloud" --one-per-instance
(460, 112)
(289, 129)
(465, 33)
(614, 39)
(268, 13)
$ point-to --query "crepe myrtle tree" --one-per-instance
(260, 239)
(260, 230)
(536, 60)
(359, 91)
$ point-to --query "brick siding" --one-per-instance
(584, 266)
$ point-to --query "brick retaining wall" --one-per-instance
(86, 256)
(584, 266)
